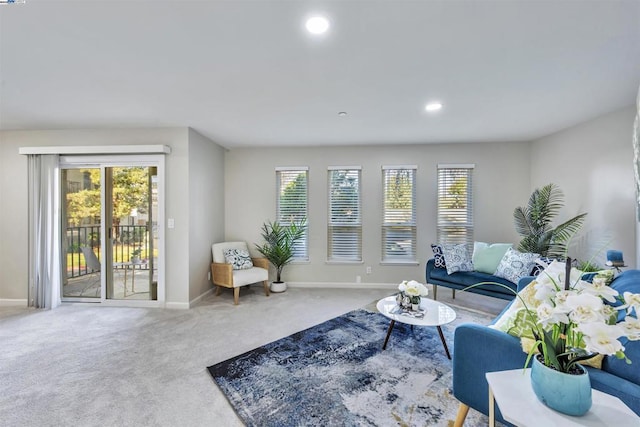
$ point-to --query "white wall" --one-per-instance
(206, 208)
(13, 200)
(501, 182)
(592, 163)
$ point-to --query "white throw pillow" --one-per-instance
(238, 258)
(456, 258)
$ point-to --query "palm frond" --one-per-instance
(521, 217)
(569, 228)
(534, 223)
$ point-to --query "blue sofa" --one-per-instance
(461, 280)
(479, 349)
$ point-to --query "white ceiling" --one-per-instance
(245, 73)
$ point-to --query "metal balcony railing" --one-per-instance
(126, 239)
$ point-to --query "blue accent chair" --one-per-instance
(479, 349)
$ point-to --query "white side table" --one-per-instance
(520, 406)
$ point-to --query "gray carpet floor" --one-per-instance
(83, 365)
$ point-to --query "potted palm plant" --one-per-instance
(278, 249)
(534, 223)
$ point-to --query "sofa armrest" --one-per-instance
(261, 262)
(524, 281)
(471, 361)
(222, 274)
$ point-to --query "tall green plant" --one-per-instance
(534, 223)
(280, 242)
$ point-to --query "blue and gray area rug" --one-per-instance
(336, 374)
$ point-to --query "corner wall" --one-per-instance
(206, 208)
(501, 182)
(592, 163)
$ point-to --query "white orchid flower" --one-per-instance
(602, 338)
(548, 315)
(609, 313)
(632, 301)
(599, 288)
(631, 328)
(584, 308)
(545, 291)
(560, 300)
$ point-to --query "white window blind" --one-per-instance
(399, 214)
(292, 204)
(455, 204)
(344, 234)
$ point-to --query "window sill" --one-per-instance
(344, 262)
(400, 263)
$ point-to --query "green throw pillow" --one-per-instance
(517, 320)
(486, 257)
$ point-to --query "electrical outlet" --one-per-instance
(209, 275)
(368, 269)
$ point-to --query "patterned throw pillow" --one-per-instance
(538, 268)
(437, 256)
(238, 258)
(517, 320)
(515, 265)
(457, 258)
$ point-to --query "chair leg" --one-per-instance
(236, 295)
(453, 294)
(462, 414)
(218, 290)
(266, 287)
(435, 292)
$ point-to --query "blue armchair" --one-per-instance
(479, 349)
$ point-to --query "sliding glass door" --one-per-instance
(111, 234)
(81, 228)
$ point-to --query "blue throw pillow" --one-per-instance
(438, 257)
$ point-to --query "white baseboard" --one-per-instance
(177, 305)
(198, 298)
(342, 285)
(13, 302)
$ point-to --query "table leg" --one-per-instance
(384, 346)
(444, 343)
(492, 410)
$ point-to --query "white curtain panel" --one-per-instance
(44, 231)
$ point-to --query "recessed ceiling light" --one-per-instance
(317, 25)
(433, 106)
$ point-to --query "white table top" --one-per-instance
(519, 405)
(437, 313)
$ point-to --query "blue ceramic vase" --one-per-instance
(566, 393)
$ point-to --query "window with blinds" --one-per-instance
(399, 214)
(455, 204)
(344, 228)
(292, 204)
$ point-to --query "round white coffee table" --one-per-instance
(435, 314)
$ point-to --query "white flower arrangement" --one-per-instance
(414, 290)
(574, 323)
